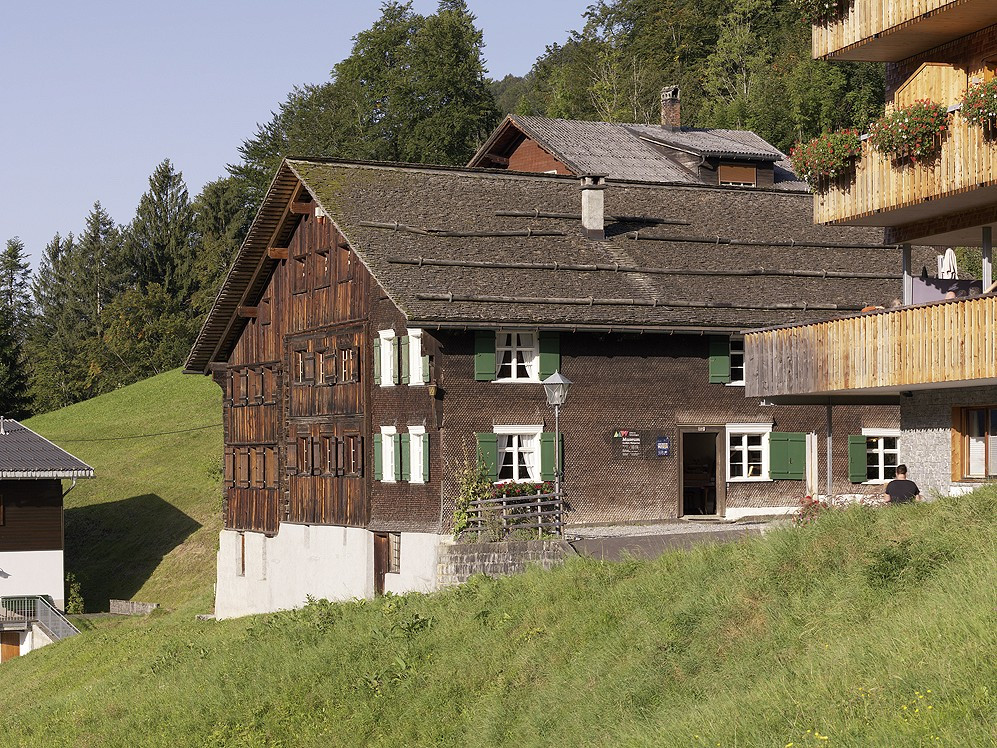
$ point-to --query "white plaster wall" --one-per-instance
(420, 558)
(33, 573)
(734, 513)
(335, 563)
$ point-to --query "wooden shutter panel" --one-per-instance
(291, 466)
(484, 356)
(548, 455)
(377, 360)
(425, 457)
(425, 368)
(405, 455)
(403, 360)
(396, 443)
(229, 467)
(488, 452)
(787, 455)
(857, 470)
(719, 360)
(378, 457)
(309, 367)
(330, 366)
(550, 353)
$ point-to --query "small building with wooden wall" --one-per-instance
(31, 530)
(384, 324)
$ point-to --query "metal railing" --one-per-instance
(36, 609)
(502, 516)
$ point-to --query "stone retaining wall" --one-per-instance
(459, 562)
(131, 608)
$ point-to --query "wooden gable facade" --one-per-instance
(295, 399)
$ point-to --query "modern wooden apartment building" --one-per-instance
(939, 361)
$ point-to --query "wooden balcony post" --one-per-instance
(988, 258)
(908, 278)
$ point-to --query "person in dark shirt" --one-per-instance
(901, 490)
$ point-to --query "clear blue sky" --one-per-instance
(94, 94)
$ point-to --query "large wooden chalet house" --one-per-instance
(384, 323)
(939, 360)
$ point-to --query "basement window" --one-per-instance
(394, 553)
(736, 175)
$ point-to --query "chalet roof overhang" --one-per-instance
(547, 274)
(26, 455)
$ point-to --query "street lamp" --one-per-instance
(556, 386)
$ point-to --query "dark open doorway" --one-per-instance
(699, 473)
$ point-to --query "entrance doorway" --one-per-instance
(700, 490)
(382, 559)
(10, 645)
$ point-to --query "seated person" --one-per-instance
(901, 490)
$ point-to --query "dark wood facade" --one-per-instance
(31, 515)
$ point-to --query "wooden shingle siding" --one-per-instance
(942, 342)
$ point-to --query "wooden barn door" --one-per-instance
(10, 645)
(382, 558)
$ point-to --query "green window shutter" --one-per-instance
(378, 457)
(377, 360)
(857, 470)
(548, 455)
(396, 441)
(425, 369)
(403, 361)
(425, 458)
(787, 455)
(406, 456)
(488, 453)
(550, 353)
(484, 356)
(719, 359)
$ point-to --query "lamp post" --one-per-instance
(556, 386)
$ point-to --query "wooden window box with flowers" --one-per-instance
(912, 134)
(979, 106)
(826, 158)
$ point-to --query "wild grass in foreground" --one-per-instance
(869, 627)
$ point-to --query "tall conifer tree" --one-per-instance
(15, 306)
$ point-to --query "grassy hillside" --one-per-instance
(871, 627)
(146, 527)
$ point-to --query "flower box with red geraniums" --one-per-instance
(517, 490)
(979, 104)
(912, 132)
(826, 157)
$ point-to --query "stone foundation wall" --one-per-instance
(460, 562)
(131, 608)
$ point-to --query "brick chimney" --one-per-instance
(671, 107)
(593, 188)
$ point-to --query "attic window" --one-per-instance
(736, 175)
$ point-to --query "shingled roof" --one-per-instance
(470, 247)
(627, 151)
(25, 454)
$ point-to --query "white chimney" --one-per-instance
(593, 188)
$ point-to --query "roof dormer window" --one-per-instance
(737, 175)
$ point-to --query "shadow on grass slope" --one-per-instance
(870, 627)
(147, 526)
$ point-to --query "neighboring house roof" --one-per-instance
(446, 256)
(627, 151)
(25, 454)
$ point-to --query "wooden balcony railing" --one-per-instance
(893, 30)
(946, 341)
(886, 192)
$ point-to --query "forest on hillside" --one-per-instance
(110, 303)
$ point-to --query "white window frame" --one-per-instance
(416, 376)
(880, 451)
(731, 352)
(394, 553)
(386, 365)
(520, 430)
(415, 453)
(532, 366)
(388, 453)
(744, 430)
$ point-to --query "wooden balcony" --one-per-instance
(943, 344)
(884, 192)
(893, 30)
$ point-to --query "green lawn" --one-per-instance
(871, 627)
(146, 528)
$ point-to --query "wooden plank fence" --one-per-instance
(500, 517)
(947, 341)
